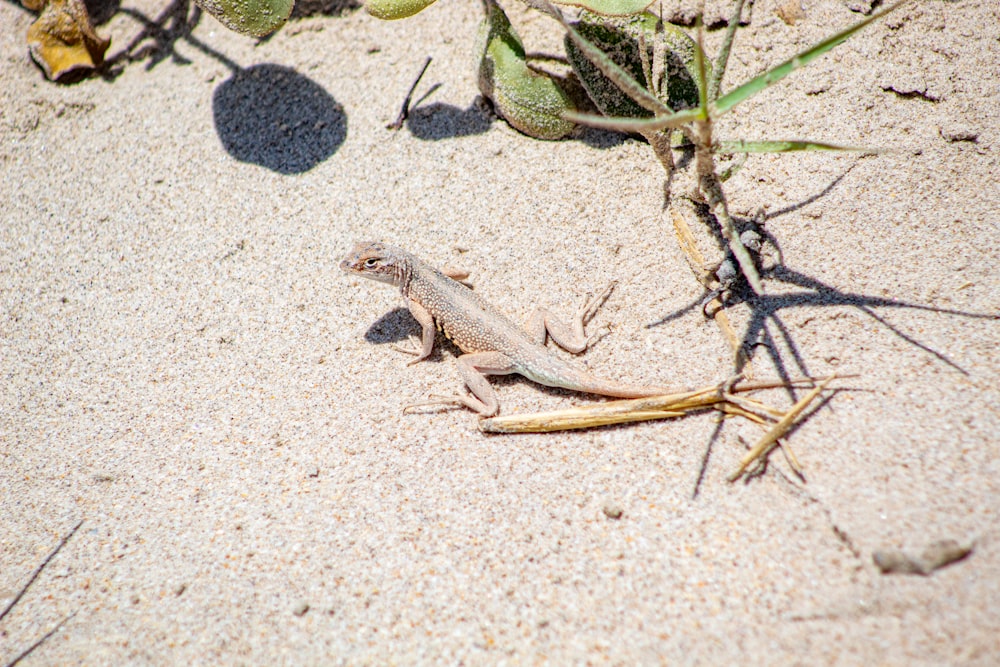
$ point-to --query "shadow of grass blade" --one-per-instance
(759, 83)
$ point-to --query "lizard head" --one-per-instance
(377, 261)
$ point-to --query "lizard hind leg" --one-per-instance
(474, 368)
(570, 336)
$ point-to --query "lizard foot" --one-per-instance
(416, 352)
(413, 351)
(591, 306)
(459, 401)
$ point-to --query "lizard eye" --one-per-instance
(371, 263)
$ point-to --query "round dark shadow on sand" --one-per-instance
(273, 116)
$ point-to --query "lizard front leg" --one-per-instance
(569, 336)
(474, 368)
(428, 332)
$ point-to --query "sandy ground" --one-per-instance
(186, 370)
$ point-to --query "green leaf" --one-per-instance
(759, 83)
(532, 102)
(249, 17)
(390, 10)
(609, 7)
(605, 54)
(635, 125)
(787, 147)
(701, 68)
(722, 57)
(597, 59)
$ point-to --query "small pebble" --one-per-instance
(956, 133)
(936, 555)
(612, 510)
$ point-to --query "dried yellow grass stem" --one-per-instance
(722, 397)
(685, 239)
(601, 414)
(666, 406)
(770, 439)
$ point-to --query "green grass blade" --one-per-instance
(699, 66)
(613, 71)
(635, 125)
(759, 83)
(722, 59)
(787, 147)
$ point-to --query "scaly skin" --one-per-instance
(492, 343)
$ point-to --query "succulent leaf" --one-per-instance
(390, 10)
(532, 102)
(619, 38)
(249, 17)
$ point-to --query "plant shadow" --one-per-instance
(437, 121)
(307, 8)
(766, 326)
(266, 114)
(272, 116)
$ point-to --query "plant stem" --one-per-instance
(708, 182)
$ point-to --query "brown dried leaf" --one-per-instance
(62, 40)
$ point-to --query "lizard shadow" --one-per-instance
(397, 327)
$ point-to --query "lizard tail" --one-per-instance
(577, 379)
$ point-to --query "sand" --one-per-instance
(186, 370)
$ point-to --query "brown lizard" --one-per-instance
(492, 343)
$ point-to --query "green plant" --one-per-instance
(697, 123)
(644, 77)
(640, 75)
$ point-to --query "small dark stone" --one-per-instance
(612, 510)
